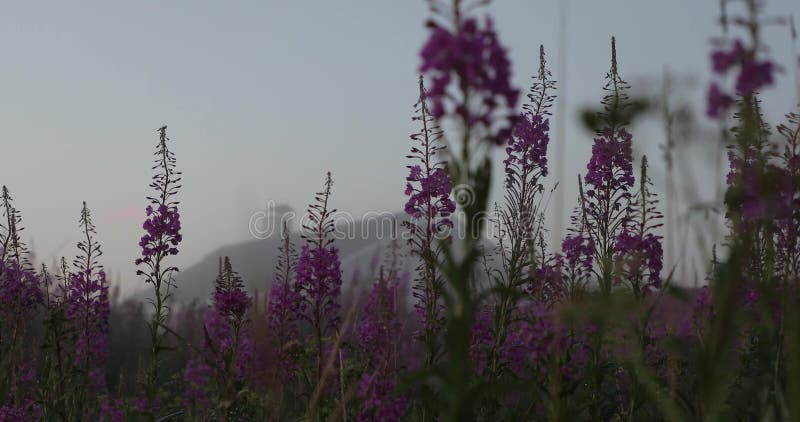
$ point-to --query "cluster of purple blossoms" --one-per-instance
(283, 305)
(470, 57)
(547, 284)
(429, 196)
(638, 253)
(197, 378)
(231, 301)
(428, 188)
(531, 341)
(88, 309)
(754, 74)
(481, 338)
(378, 331)
(319, 281)
(378, 401)
(578, 250)
(568, 271)
(29, 411)
(610, 168)
(767, 191)
(226, 322)
(19, 290)
(162, 227)
(379, 336)
(527, 148)
(112, 410)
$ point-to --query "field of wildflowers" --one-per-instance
(474, 312)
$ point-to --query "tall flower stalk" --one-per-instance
(788, 230)
(606, 194)
(88, 310)
(639, 254)
(20, 297)
(429, 207)
(284, 309)
(379, 337)
(521, 216)
(162, 236)
(472, 90)
(319, 277)
(284, 305)
(226, 331)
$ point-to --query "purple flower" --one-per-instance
(379, 401)
(754, 76)
(481, 339)
(532, 341)
(143, 405)
(578, 251)
(378, 330)
(319, 281)
(88, 307)
(527, 148)
(548, 283)
(196, 378)
(430, 207)
(717, 101)
(162, 236)
(429, 196)
(379, 336)
(282, 308)
(231, 303)
(639, 254)
(469, 57)
(723, 60)
(19, 290)
(88, 310)
(162, 224)
(610, 168)
(112, 411)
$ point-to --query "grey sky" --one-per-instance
(262, 97)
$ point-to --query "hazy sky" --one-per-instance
(262, 97)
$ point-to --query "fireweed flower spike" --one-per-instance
(519, 221)
(319, 277)
(638, 249)
(379, 336)
(429, 207)
(788, 228)
(20, 297)
(284, 306)
(88, 310)
(609, 176)
(470, 76)
(471, 90)
(226, 329)
(162, 236)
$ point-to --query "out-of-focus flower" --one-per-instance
(319, 279)
(717, 101)
(753, 74)
(196, 378)
(468, 57)
(378, 400)
(88, 310)
(578, 250)
(112, 411)
(640, 255)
